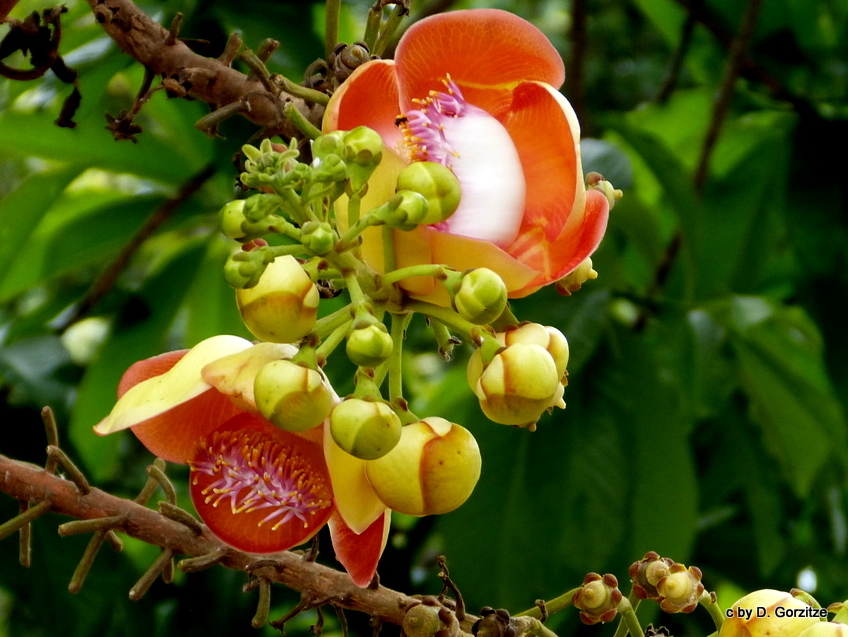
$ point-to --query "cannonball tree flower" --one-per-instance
(476, 90)
(258, 488)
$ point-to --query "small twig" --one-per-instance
(52, 431)
(342, 619)
(263, 604)
(78, 527)
(182, 516)
(158, 567)
(318, 627)
(202, 562)
(448, 584)
(305, 603)
(25, 538)
(676, 63)
(162, 480)
(74, 474)
(24, 517)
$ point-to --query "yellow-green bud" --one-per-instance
(283, 306)
(257, 207)
(548, 337)
(596, 181)
(329, 144)
(231, 219)
(365, 429)
(680, 589)
(433, 469)
(519, 384)
(363, 152)
(575, 280)
(406, 210)
(481, 297)
(825, 629)
(598, 598)
(293, 397)
(318, 237)
(767, 613)
(437, 183)
(370, 345)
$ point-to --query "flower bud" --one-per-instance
(369, 345)
(437, 184)
(257, 207)
(243, 269)
(680, 589)
(596, 181)
(318, 237)
(328, 145)
(481, 296)
(548, 337)
(519, 384)
(363, 148)
(575, 280)
(406, 210)
(598, 598)
(293, 397)
(757, 615)
(231, 218)
(365, 429)
(825, 629)
(329, 169)
(432, 470)
(283, 306)
(647, 572)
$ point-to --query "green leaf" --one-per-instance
(23, 209)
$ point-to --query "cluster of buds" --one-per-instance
(675, 587)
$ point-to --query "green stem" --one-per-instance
(468, 330)
(713, 608)
(372, 25)
(331, 27)
(326, 325)
(25, 517)
(399, 325)
(628, 614)
(553, 606)
(389, 263)
(357, 296)
(309, 94)
(388, 30)
(413, 270)
(291, 248)
(303, 125)
(332, 341)
(353, 206)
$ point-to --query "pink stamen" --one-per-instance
(423, 129)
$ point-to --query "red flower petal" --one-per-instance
(359, 554)
(369, 97)
(540, 125)
(258, 488)
(487, 52)
(578, 240)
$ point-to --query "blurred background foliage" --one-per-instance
(706, 406)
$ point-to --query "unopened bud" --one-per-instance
(681, 589)
(244, 269)
(481, 296)
(318, 237)
(406, 210)
(546, 336)
(283, 306)
(363, 151)
(369, 345)
(767, 613)
(437, 183)
(293, 397)
(596, 181)
(575, 280)
(598, 598)
(257, 207)
(328, 145)
(519, 384)
(432, 470)
(365, 429)
(647, 572)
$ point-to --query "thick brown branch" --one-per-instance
(28, 482)
(209, 79)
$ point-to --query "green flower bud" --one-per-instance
(243, 269)
(518, 385)
(481, 297)
(318, 237)
(437, 183)
(293, 397)
(328, 145)
(405, 211)
(365, 429)
(596, 181)
(363, 153)
(283, 305)
(369, 345)
(598, 598)
(433, 469)
(330, 169)
(257, 207)
(231, 219)
(757, 615)
(681, 589)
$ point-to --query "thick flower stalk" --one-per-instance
(476, 91)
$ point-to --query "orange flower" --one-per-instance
(476, 90)
(258, 488)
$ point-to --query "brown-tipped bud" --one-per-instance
(598, 598)
(681, 589)
(647, 572)
(283, 306)
(433, 469)
(293, 397)
(768, 613)
(574, 281)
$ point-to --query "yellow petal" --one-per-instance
(181, 383)
(356, 500)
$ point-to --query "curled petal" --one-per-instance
(360, 553)
(487, 52)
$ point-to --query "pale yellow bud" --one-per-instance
(768, 613)
(293, 397)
